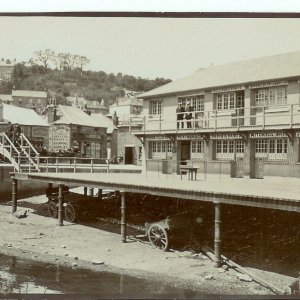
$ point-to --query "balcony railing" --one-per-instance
(254, 117)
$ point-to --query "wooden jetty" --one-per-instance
(271, 193)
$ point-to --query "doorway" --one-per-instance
(129, 155)
(185, 150)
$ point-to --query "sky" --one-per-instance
(149, 47)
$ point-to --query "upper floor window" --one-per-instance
(155, 107)
(226, 101)
(271, 96)
(197, 102)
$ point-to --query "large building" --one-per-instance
(6, 69)
(246, 112)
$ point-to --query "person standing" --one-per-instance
(9, 131)
(17, 133)
(180, 115)
(189, 115)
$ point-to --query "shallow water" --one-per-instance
(20, 276)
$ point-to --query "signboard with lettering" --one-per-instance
(268, 135)
(40, 131)
(61, 137)
(267, 84)
(229, 136)
(189, 137)
(229, 89)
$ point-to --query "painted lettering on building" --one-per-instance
(225, 136)
(268, 135)
(268, 84)
(60, 137)
(190, 137)
(230, 89)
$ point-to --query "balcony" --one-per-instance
(238, 119)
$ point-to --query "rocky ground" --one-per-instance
(41, 239)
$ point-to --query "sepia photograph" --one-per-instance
(149, 155)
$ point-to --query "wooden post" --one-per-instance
(123, 216)
(91, 192)
(217, 241)
(14, 195)
(100, 194)
(85, 191)
(60, 205)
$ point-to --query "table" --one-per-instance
(190, 170)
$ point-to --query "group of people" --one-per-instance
(184, 112)
(13, 131)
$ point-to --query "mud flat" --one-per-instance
(41, 239)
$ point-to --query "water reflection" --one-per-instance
(19, 276)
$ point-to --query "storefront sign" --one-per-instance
(230, 89)
(190, 137)
(158, 138)
(233, 136)
(268, 84)
(268, 135)
(61, 137)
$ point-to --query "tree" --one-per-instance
(43, 56)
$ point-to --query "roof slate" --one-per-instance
(265, 68)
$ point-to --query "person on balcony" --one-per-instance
(189, 115)
(180, 114)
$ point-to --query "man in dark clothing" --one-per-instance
(180, 115)
(189, 115)
(17, 133)
(9, 131)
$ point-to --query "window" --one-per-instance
(226, 101)
(272, 96)
(271, 149)
(197, 149)
(229, 149)
(197, 102)
(155, 107)
(161, 149)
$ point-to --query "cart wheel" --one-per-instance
(52, 210)
(70, 213)
(158, 237)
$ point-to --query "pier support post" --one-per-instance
(100, 194)
(14, 195)
(60, 205)
(91, 192)
(123, 216)
(85, 191)
(217, 240)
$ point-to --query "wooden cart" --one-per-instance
(182, 224)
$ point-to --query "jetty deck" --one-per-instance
(271, 192)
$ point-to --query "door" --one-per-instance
(128, 155)
(185, 150)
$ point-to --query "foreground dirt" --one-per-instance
(41, 239)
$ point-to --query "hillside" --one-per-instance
(63, 83)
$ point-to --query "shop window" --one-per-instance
(229, 149)
(271, 149)
(271, 97)
(197, 149)
(161, 149)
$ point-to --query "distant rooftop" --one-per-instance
(23, 116)
(243, 72)
(5, 97)
(25, 93)
(74, 115)
(7, 62)
(124, 101)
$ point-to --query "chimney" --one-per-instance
(115, 119)
(52, 116)
(1, 112)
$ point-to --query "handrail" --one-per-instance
(9, 141)
(29, 144)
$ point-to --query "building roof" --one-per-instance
(74, 115)
(81, 101)
(5, 97)
(25, 93)
(265, 68)
(4, 63)
(125, 101)
(106, 122)
(22, 116)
